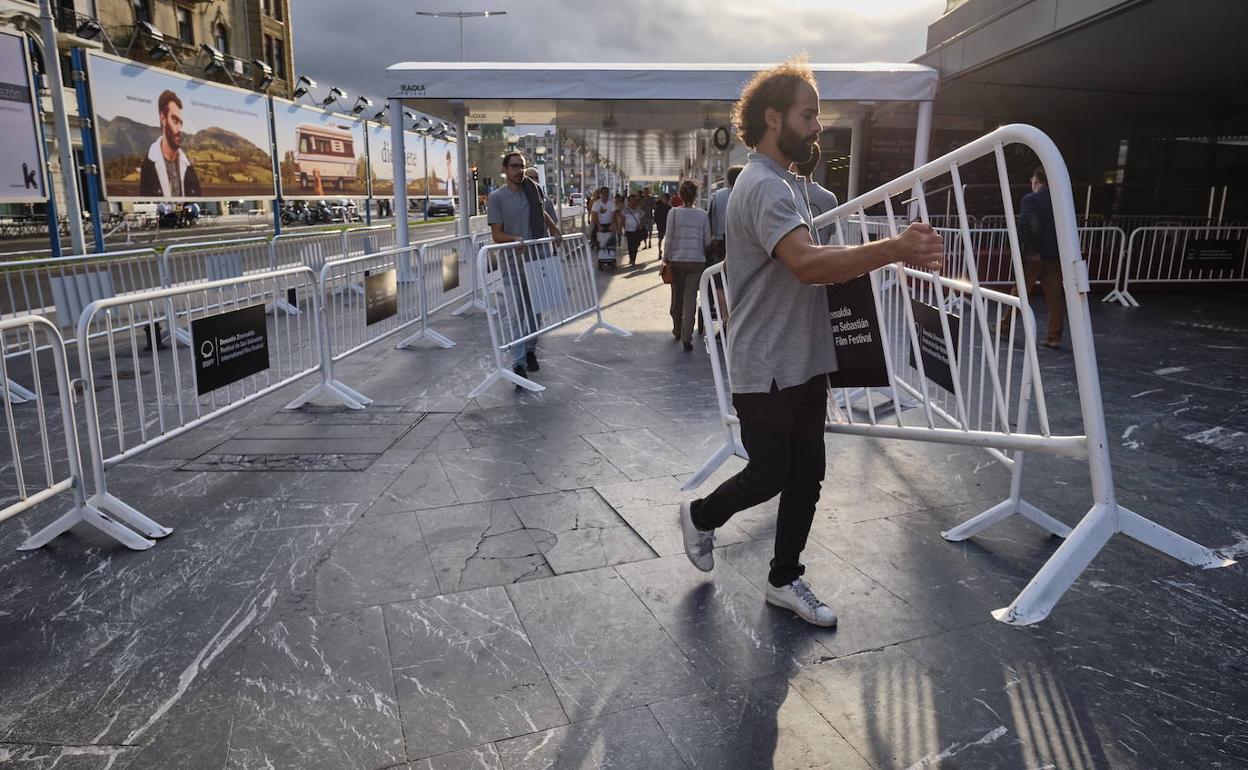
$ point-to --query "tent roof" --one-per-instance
(630, 96)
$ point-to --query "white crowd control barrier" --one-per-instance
(1176, 255)
(359, 241)
(237, 354)
(362, 300)
(58, 288)
(39, 438)
(214, 261)
(958, 349)
(532, 288)
(1103, 249)
(476, 296)
(442, 270)
(312, 250)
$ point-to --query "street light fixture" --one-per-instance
(336, 94)
(362, 103)
(304, 86)
(461, 15)
(264, 75)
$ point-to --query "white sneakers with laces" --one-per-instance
(798, 597)
(699, 543)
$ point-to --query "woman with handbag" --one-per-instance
(688, 237)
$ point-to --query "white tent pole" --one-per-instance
(398, 159)
(922, 133)
(465, 193)
(60, 116)
(558, 175)
(855, 155)
(706, 193)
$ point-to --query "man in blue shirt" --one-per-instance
(1037, 235)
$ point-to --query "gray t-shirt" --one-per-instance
(779, 330)
(719, 212)
(821, 200)
(510, 208)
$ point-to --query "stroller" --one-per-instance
(606, 244)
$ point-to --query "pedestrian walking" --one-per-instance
(632, 216)
(718, 211)
(647, 214)
(818, 198)
(516, 214)
(1037, 234)
(661, 208)
(688, 236)
(781, 341)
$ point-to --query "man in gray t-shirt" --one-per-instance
(511, 220)
(780, 332)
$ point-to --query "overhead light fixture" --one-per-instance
(304, 86)
(264, 75)
(361, 103)
(335, 94)
(509, 122)
(88, 28)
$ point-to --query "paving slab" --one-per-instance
(584, 532)
(628, 739)
(482, 544)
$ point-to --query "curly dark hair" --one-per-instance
(775, 88)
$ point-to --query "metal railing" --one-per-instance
(1183, 255)
(531, 288)
(951, 345)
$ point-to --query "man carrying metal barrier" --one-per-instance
(516, 214)
(779, 332)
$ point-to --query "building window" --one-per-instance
(142, 10)
(268, 52)
(186, 31)
(268, 9)
(279, 55)
(221, 38)
(277, 9)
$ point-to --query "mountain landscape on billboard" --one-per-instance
(228, 165)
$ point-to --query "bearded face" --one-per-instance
(796, 146)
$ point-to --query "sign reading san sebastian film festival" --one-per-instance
(166, 136)
(229, 346)
(321, 154)
(860, 361)
(381, 296)
(936, 364)
(21, 170)
(1201, 254)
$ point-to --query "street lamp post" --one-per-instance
(461, 15)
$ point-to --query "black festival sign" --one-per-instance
(450, 270)
(860, 359)
(381, 296)
(936, 364)
(1201, 254)
(229, 346)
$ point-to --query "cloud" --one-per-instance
(350, 43)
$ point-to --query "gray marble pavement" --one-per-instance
(498, 584)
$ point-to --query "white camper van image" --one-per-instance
(326, 151)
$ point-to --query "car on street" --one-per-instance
(576, 199)
(440, 207)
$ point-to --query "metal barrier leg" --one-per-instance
(602, 324)
(328, 386)
(1013, 505)
(18, 394)
(425, 334)
(731, 448)
(503, 373)
(90, 515)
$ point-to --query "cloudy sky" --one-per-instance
(350, 44)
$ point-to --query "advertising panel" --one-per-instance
(165, 136)
(321, 154)
(442, 169)
(21, 172)
(380, 159)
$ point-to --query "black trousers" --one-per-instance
(783, 433)
(634, 239)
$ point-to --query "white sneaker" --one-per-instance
(798, 597)
(699, 543)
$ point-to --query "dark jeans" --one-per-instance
(634, 238)
(783, 433)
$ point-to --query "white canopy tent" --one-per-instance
(630, 103)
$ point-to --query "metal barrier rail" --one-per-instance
(476, 297)
(983, 378)
(312, 250)
(443, 271)
(1103, 249)
(362, 301)
(58, 288)
(531, 288)
(156, 397)
(31, 474)
(1216, 254)
(185, 263)
(359, 241)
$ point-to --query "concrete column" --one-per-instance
(398, 159)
